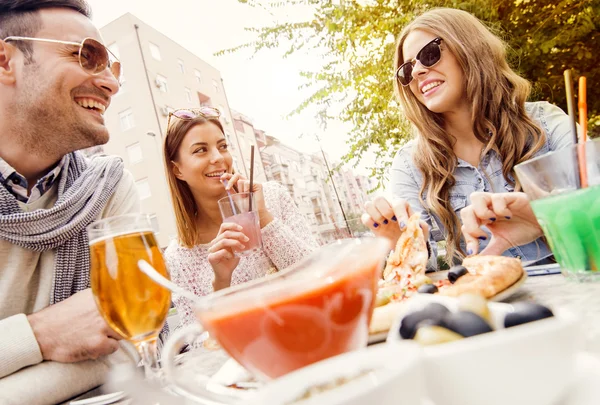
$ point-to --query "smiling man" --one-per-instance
(56, 81)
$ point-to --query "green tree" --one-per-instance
(357, 39)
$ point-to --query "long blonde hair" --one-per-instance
(497, 95)
(184, 204)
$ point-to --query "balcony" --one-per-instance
(276, 168)
(266, 158)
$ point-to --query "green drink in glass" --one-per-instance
(568, 213)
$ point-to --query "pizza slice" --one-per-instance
(488, 276)
(410, 256)
(403, 273)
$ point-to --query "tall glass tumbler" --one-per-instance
(237, 208)
(568, 213)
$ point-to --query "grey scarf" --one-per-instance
(85, 186)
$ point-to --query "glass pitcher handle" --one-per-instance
(170, 353)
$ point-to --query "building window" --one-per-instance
(154, 51)
(154, 222)
(126, 119)
(161, 83)
(181, 65)
(143, 188)
(198, 76)
(188, 95)
(215, 85)
(134, 152)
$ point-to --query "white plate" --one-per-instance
(441, 275)
(585, 389)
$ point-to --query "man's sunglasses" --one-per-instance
(429, 55)
(187, 114)
(93, 56)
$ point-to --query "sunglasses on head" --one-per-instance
(93, 56)
(191, 113)
(428, 56)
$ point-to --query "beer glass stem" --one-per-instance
(149, 354)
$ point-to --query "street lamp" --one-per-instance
(329, 172)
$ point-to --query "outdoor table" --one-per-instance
(554, 291)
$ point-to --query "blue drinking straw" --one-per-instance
(230, 200)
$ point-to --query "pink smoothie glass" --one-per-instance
(236, 208)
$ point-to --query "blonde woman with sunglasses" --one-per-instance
(199, 172)
(471, 125)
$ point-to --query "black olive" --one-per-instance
(433, 313)
(456, 272)
(428, 289)
(466, 323)
(526, 312)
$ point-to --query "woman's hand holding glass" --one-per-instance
(508, 216)
(221, 254)
(388, 218)
(243, 186)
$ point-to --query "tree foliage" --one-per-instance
(356, 39)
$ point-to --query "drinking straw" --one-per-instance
(230, 200)
(251, 176)
(571, 102)
(583, 108)
(583, 124)
(572, 113)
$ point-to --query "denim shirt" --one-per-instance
(406, 180)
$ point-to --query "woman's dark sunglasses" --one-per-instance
(93, 56)
(429, 55)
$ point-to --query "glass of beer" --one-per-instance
(130, 302)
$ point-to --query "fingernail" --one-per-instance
(385, 221)
(507, 217)
(492, 219)
(482, 238)
(394, 219)
(469, 252)
(402, 225)
(246, 239)
(375, 224)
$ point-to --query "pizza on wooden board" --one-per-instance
(404, 275)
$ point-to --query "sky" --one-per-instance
(263, 87)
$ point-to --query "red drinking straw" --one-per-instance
(583, 107)
(583, 124)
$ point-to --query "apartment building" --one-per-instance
(159, 76)
(315, 192)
